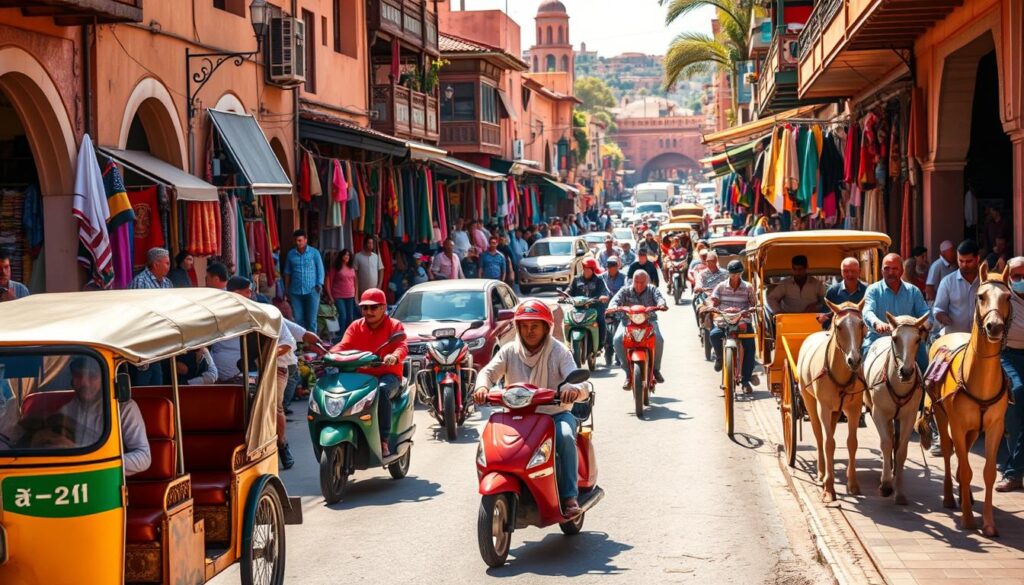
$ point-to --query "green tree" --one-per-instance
(693, 53)
(594, 93)
(580, 134)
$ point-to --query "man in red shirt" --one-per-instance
(369, 334)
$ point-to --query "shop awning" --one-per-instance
(321, 128)
(186, 187)
(514, 167)
(244, 139)
(470, 169)
(751, 130)
(420, 151)
(564, 189)
(506, 105)
(730, 160)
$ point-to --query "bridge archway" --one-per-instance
(668, 166)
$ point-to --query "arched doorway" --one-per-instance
(37, 152)
(151, 124)
(668, 166)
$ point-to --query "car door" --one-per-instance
(502, 298)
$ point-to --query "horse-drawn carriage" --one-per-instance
(778, 337)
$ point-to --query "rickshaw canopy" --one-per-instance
(674, 227)
(774, 252)
(686, 209)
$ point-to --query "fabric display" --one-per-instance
(148, 229)
(12, 235)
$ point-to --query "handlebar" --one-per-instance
(646, 309)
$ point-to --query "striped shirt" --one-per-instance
(709, 280)
(737, 299)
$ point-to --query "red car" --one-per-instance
(457, 303)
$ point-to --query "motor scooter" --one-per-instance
(677, 277)
(516, 467)
(611, 322)
(639, 344)
(343, 423)
(580, 329)
(446, 381)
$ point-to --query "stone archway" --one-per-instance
(152, 103)
(666, 163)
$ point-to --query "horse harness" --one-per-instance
(961, 387)
(844, 387)
(900, 400)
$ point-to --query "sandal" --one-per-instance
(571, 507)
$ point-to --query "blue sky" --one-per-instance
(607, 26)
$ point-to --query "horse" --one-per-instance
(971, 396)
(894, 394)
(831, 383)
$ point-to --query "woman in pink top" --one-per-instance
(341, 287)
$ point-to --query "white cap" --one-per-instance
(945, 245)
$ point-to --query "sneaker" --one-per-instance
(658, 378)
(747, 389)
(287, 461)
(936, 449)
(755, 380)
(1010, 484)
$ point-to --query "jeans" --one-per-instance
(1013, 365)
(387, 387)
(291, 384)
(620, 346)
(718, 336)
(305, 308)
(566, 457)
(346, 312)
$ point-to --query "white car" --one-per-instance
(627, 214)
(655, 209)
(624, 235)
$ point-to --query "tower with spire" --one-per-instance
(552, 51)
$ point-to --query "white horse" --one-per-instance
(894, 394)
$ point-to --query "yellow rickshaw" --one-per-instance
(674, 227)
(82, 502)
(778, 337)
(685, 209)
(730, 248)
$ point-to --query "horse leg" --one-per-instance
(960, 445)
(993, 435)
(902, 445)
(853, 409)
(946, 442)
(830, 422)
(885, 433)
(811, 404)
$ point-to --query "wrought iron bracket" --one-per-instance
(209, 63)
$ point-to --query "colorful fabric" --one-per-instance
(90, 208)
(148, 233)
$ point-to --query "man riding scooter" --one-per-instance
(614, 280)
(535, 357)
(369, 334)
(640, 292)
(591, 285)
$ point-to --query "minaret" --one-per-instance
(553, 49)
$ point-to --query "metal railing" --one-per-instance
(823, 13)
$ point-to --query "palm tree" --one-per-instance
(693, 53)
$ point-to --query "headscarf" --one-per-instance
(536, 361)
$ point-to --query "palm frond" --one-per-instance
(693, 53)
(679, 8)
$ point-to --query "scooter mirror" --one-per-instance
(475, 325)
(577, 377)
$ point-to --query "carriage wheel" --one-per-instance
(729, 386)
(791, 416)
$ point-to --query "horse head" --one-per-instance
(908, 334)
(849, 330)
(992, 309)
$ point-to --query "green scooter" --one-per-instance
(580, 327)
(343, 421)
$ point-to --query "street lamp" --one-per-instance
(209, 63)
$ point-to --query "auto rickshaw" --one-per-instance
(778, 337)
(210, 495)
(685, 209)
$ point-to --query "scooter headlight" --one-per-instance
(541, 456)
(313, 406)
(517, 397)
(334, 404)
(638, 318)
(638, 335)
(481, 457)
(362, 405)
(578, 317)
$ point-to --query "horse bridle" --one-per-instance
(854, 376)
(979, 318)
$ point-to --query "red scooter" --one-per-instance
(516, 467)
(639, 343)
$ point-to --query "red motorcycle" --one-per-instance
(516, 467)
(639, 343)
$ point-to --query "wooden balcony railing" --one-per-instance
(74, 12)
(820, 18)
(404, 113)
(471, 136)
(407, 19)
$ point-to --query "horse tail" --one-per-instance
(923, 430)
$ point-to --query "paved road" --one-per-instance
(684, 503)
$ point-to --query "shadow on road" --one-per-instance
(557, 555)
(381, 491)
(747, 441)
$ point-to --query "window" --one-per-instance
(346, 31)
(323, 30)
(488, 103)
(462, 106)
(565, 62)
(419, 306)
(550, 64)
(310, 21)
(337, 26)
(560, 39)
(526, 99)
(549, 35)
(236, 7)
(536, 63)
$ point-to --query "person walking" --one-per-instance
(446, 264)
(1012, 358)
(958, 292)
(460, 238)
(943, 266)
(369, 268)
(341, 287)
(304, 280)
(493, 263)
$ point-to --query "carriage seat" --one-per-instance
(213, 426)
(40, 405)
(146, 489)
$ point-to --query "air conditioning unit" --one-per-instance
(517, 150)
(286, 51)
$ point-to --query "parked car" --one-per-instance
(627, 214)
(595, 240)
(658, 210)
(552, 262)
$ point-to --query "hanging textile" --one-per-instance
(91, 210)
(851, 160)
(148, 233)
(270, 218)
(874, 211)
(119, 224)
(204, 228)
(32, 220)
(906, 228)
(243, 266)
(229, 229)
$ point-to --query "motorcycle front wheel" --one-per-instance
(451, 427)
(638, 389)
(333, 478)
(572, 527)
(491, 534)
(677, 291)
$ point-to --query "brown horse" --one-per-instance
(830, 384)
(971, 397)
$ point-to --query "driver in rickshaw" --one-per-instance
(799, 293)
(80, 422)
(590, 285)
(734, 295)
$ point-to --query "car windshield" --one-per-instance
(650, 208)
(623, 234)
(595, 237)
(550, 248)
(441, 305)
(52, 401)
(614, 205)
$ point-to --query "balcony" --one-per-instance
(849, 45)
(405, 113)
(76, 12)
(408, 20)
(471, 136)
(777, 83)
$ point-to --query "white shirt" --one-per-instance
(461, 239)
(506, 365)
(790, 297)
(210, 375)
(291, 332)
(89, 427)
(956, 297)
(1015, 335)
(938, 270)
(226, 355)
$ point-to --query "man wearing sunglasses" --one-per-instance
(1013, 364)
(369, 334)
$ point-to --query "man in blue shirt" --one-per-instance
(849, 290)
(493, 263)
(958, 292)
(304, 279)
(893, 295)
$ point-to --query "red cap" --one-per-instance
(373, 296)
(591, 263)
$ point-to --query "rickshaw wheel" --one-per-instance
(791, 416)
(729, 386)
(333, 478)
(263, 560)
(705, 339)
(400, 468)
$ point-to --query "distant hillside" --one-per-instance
(634, 75)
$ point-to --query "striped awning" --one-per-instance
(731, 160)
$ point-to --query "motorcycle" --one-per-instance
(343, 422)
(445, 383)
(639, 343)
(703, 325)
(516, 467)
(580, 328)
(677, 278)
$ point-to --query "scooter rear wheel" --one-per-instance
(400, 468)
(572, 527)
(333, 478)
(492, 537)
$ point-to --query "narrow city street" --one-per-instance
(684, 503)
